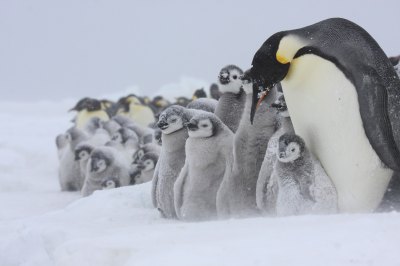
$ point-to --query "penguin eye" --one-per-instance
(204, 125)
(234, 76)
(293, 149)
(173, 120)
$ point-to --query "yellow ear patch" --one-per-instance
(281, 59)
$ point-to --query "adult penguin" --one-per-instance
(343, 96)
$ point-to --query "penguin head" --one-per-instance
(74, 136)
(83, 151)
(229, 79)
(290, 148)
(105, 104)
(160, 102)
(247, 83)
(110, 183)
(143, 149)
(280, 106)
(100, 159)
(135, 174)
(125, 102)
(271, 64)
(147, 162)
(200, 93)
(214, 91)
(88, 104)
(172, 119)
(203, 125)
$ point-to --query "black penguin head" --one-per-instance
(172, 119)
(290, 148)
(268, 69)
(111, 182)
(100, 159)
(214, 91)
(83, 151)
(200, 93)
(88, 104)
(229, 79)
(203, 125)
(160, 102)
(147, 162)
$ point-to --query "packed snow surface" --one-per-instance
(39, 225)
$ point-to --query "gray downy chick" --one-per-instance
(267, 202)
(303, 185)
(231, 103)
(146, 165)
(172, 158)
(237, 194)
(69, 174)
(105, 162)
(208, 159)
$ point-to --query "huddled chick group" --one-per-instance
(113, 144)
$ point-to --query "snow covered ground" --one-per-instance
(39, 225)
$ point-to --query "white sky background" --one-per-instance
(53, 50)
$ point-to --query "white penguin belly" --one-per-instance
(324, 109)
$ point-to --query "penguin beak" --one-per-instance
(261, 89)
(162, 124)
(191, 126)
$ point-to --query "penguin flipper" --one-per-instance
(373, 101)
(178, 189)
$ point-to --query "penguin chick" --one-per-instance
(86, 109)
(303, 185)
(82, 155)
(231, 103)
(172, 158)
(237, 194)
(127, 137)
(214, 91)
(205, 104)
(144, 149)
(146, 165)
(267, 202)
(69, 174)
(105, 162)
(145, 134)
(200, 93)
(132, 107)
(208, 159)
(110, 183)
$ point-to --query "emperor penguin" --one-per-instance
(87, 108)
(172, 158)
(105, 162)
(231, 103)
(267, 202)
(237, 194)
(132, 107)
(343, 96)
(209, 159)
(303, 186)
